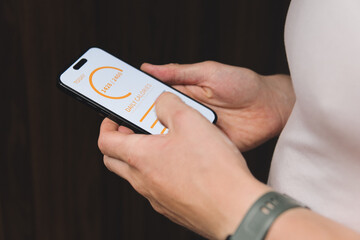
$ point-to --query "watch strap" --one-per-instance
(262, 214)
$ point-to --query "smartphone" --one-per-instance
(121, 92)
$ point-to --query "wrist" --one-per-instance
(239, 202)
(262, 215)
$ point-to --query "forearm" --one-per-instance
(295, 223)
(303, 224)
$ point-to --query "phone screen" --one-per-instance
(122, 89)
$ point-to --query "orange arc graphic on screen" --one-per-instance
(93, 87)
(153, 125)
(147, 112)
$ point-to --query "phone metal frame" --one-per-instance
(106, 112)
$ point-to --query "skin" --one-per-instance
(196, 175)
(251, 108)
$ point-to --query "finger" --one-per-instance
(125, 130)
(171, 111)
(118, 167)
(108, 125)
(119, 144)
(127, 172)
(192, 91)
(201, 94)
(176, 73)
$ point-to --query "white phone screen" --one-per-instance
(122, 89)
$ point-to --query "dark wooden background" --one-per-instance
(53, 182)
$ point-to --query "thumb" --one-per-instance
(176, 74)
(173, 113)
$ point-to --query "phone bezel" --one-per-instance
(108, 113)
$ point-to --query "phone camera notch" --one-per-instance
(80, 63)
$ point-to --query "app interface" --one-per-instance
(123, 89)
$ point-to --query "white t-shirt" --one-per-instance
(317, 158)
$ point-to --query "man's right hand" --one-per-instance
(251, 108)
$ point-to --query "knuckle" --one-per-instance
(173, 69)
(138, 187)
(183, 115)
(132, 157)
(211, 66)
(210, 63)
(157, 207)
(180, 115)
(132, 160)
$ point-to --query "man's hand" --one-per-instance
(197, 177)
(194, 175)
(251, 108)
